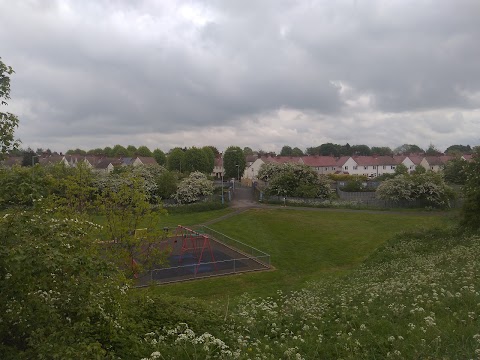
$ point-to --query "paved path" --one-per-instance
(243, 197)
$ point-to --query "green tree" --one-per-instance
(144, 151)
(432, 151)
(97, 152)
(159, 157)
(76, 151)
(166, 184)
(458, 150)
(381, 151)
(471, 205)
(401, 169)
(176, 160)
(8, 121)
(77, 189)
(214, 150)
(234, 162)
(29, 158)
(124, 202)
(362, 150)
(408, 149)
(132, 150)
(247, 151)
(286, 151)
(59, 297)
(329, 149)
(195, 160)
(297, 152)
(108, 151)
(454, 171)
(211, 159)
(419, 169)
(119, 151)
(23, 186)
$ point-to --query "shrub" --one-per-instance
(193, 188)
(428, 187)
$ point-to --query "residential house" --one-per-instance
(218, 170)
(251, 172)
(11, 161)
(52, 160)
(321, 164)
(435, 163)
(107, 165)
(144, 160)
(411, 162)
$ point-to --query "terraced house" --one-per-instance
(370, 166)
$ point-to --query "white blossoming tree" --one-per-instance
(193, 188)
(294, 180)
(428, 187)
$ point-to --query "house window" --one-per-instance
(326, 168)
(393, 167)
(431, 167)
(384, 167)
(365, 167)
(346, 167)
(355, 167)
(374, 167)
(411, 167)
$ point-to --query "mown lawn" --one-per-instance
(304, 246)
(165, 219)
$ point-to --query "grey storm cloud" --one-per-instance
(101, 68)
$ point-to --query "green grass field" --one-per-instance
(304, 246)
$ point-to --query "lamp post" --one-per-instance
(33, 168)
(238, 172)
(223, 200)
(33, 159)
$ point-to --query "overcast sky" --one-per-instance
(257, 73)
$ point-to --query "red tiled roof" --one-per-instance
(342, 160)
(281, 159)
(103, 164)
(218, 161)
(12, 160)
(318, 161)
(147, 160)
(51, 159)
(416, 159)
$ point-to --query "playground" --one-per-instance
(195, 254)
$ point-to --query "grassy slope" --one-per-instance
(304, 245)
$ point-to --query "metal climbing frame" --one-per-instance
(194, 243)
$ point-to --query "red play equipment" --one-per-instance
(194, 243)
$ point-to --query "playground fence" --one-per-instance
(236, 257)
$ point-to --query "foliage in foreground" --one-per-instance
(471, 206)
(59, 298)
(8, 121)
(411, 299)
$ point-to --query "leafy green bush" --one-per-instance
(471, 205)
(195, 207)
